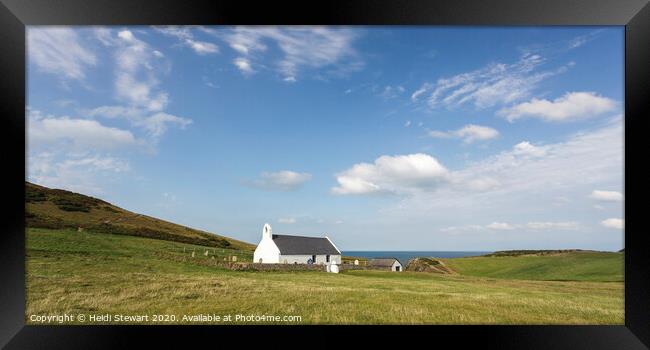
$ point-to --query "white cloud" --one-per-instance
(301, 48)
(155, 123)
(525, 148)
(202, 47)
(613, 223)
(81, 173)
(243, 65)
(407, 124)
(553, 170)
(284, 180)
(136, 82)
(481, 184)
(104, 36)
(611, 196)
(137, 85)
(464, 228)
(568, 225)
(468, 133)
(583, 39)
(500, 226)
(585, 159)
(186, 37)
(570, 106)
(513, 186)
(496, 83)
(504, 226)
(420, 91)
(74, 134)
(391, 91)
(58, 50)
(287, 220)
(392, 174)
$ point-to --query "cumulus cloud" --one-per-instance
(517, 183)
(613, 223)
(392, 174)
(58, 50)
(610, 196)
(468, 133)
(571, 106)
(592, 157)
(285, 180)
(301, 48)
(496, 83)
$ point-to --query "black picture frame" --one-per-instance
(633, 14)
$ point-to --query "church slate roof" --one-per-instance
(301, 245)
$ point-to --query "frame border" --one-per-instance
(633, 14)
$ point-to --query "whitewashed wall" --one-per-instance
(267, 251)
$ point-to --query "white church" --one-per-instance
(285, 249)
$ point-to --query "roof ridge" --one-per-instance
(279, 234)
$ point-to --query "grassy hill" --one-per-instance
(93, 273)
(60, 209)
(573, 265)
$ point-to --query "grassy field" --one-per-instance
(92, 273)
(574, 266)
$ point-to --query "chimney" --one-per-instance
(266, 231)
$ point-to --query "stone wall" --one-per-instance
(249, 266)
(274, 267)
(360, 267)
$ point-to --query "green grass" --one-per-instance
(92, 273)
(573, 266)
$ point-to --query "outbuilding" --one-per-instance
(391, 264)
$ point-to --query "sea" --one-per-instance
(405, 256)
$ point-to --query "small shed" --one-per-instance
(391, 264)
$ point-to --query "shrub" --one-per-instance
(71, 205)
(34, 195)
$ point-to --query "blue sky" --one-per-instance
(383, 138)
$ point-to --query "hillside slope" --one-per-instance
(568, 266)
(58, 209)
